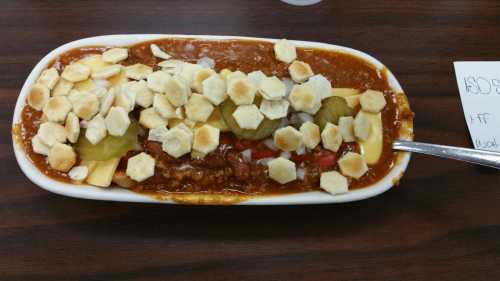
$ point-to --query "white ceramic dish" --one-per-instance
(118, 194)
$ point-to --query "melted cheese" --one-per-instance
(371, 149)
(103, 172)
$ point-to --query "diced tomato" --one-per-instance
(263, 153)
(297, 158)
(241, 145)
(326, 159)
(307, 156)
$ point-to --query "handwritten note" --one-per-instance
(479, 86)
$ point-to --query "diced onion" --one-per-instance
(289, 85)
(269, 142)
(299, 118)
(247, 155)
(301, 173)
(285, 154)
(294, 119)
(305, 117)
(301, 150)
(188, 47)
(78, 173)
(206, 62)
(84, 124)
(284, 122)
(264, 161)
(185, 166)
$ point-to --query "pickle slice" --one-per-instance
(217, 121)
(265, 129)
(109, 147)
(331, 110)
(103, 172)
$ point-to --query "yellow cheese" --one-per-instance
(103, 172)
(95, 62)
(90, 164)
(352, 101)
(118, 79)
(371, 149)
(214, 120)
(85, 85)
(344, 92)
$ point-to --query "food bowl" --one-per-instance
(119, 194)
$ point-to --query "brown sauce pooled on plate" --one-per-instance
(223, 171)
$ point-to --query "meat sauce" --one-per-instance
(224, 170)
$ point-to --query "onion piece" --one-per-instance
(301, 150)
(285, 154)
(305, 117)
(84, 124)
(269, 142)
(188, 47)
(288, 85)
(185, 166)
(299, 118)
(206, 62)
(294, 120)
(284, 122)
(264, 161)
(301, 173)
(247, 155)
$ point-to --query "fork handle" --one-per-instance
(474, 156)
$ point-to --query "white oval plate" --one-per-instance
(119, 194)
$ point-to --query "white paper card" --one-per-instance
(479, 86)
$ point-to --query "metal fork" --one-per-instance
(474, 156)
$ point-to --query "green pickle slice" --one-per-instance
(331, 110)
(109, 147)
(265, 129)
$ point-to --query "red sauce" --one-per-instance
(31, 120)
(343, 70)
